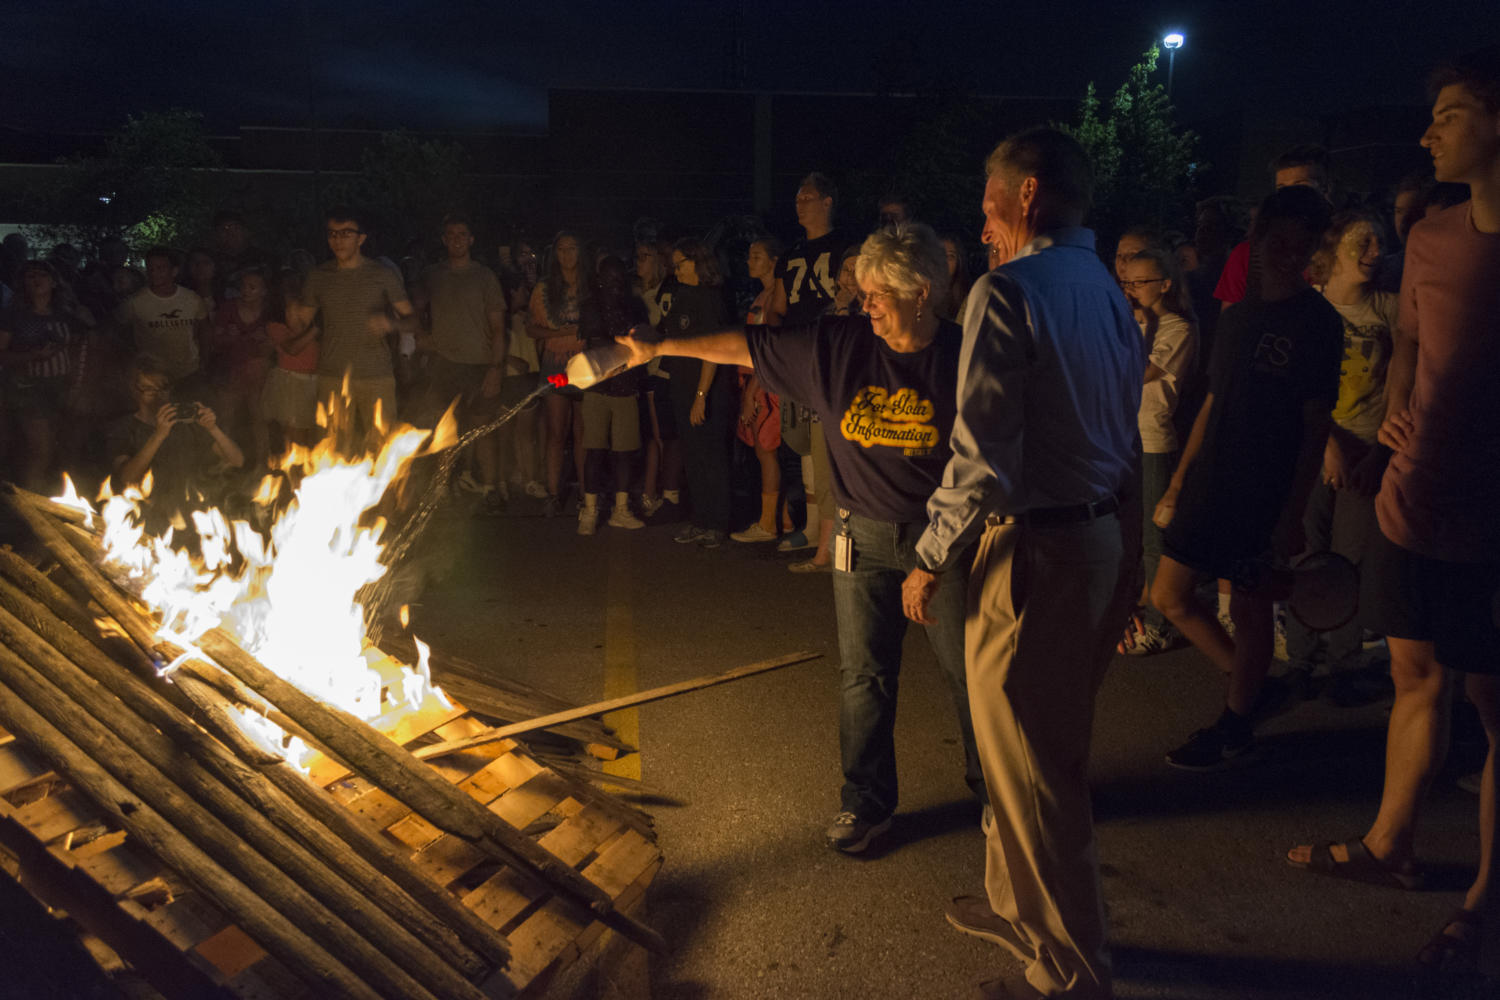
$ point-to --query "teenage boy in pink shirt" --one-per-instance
(1433, 587)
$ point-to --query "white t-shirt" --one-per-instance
(1171, 350)
(165, 327)
(1369, 326)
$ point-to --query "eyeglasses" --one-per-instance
(1138, 284)
(343, 234)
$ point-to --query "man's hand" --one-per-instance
(699, 412)
(640, 351)
(917, 592)
(1397, 430)
(490, 387)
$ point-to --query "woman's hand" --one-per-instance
(641, 351)
(748, 409)
(699, 412)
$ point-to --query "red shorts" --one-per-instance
(763, 432)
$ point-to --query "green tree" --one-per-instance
(1145, 166)
(154, 183)
(405, 186)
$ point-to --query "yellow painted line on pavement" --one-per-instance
(620, 668)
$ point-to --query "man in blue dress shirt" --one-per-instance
(1043, 474)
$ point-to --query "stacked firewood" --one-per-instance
(171, 761)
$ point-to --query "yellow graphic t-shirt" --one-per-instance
(902, 419)
(1368, 327)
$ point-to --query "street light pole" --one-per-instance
(1172, 42)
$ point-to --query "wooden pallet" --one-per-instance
(71, 859)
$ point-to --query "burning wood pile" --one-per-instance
(218, 778)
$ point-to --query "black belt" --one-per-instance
(1076, 514)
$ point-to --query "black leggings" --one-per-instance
(705, 448)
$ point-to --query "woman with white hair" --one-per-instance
(884, 385)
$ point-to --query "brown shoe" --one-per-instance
(972, 915)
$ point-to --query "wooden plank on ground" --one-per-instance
(19, 767)
(231, 951)
(57, 814)
(556, 934)
(120, 868)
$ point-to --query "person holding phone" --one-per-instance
(180, 444)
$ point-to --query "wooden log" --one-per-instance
(278, 868)
(286, 942)
(92, 581)
(393, 769)
(278, 791)
(369, 753)
(131, 621)
(53, 508)
(613, 705)
(367, 843)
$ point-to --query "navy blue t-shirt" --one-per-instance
(887, 415)
(1270, 359)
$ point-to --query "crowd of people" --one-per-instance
(1025, 463)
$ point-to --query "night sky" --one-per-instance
(80, 65)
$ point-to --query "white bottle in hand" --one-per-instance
(596, 364)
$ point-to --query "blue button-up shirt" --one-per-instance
(1049, 383)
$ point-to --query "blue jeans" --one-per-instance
(872, 625)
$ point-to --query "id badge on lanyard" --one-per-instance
(843, 545)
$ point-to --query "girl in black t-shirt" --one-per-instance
(702, 393)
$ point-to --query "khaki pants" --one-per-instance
(364, 393)
(1045, 608)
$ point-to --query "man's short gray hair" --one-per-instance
(905, 258)
(1065, 178)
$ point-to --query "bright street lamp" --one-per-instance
(1172, 42)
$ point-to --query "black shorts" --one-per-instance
(1223, 546)
(1454, 606)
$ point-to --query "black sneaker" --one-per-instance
(1210, 749)
(494, 503)
(850, 834)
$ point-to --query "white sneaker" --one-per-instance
(536, 490)
(621, 517)
(1226, 623)
(754, 533)
(588, 519)
(650, 505)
